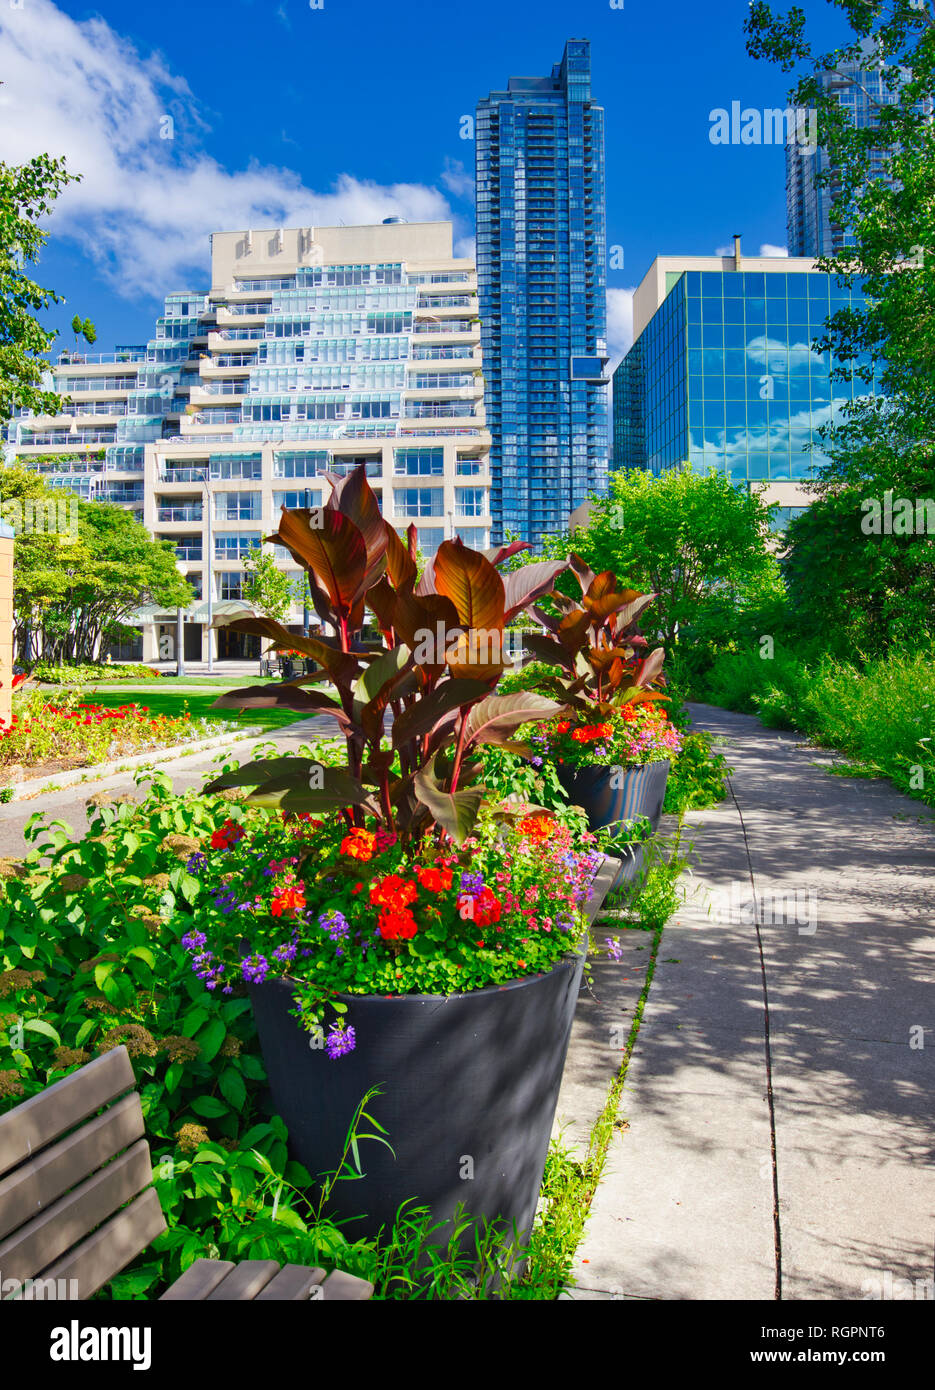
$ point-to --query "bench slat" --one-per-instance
(68, 1220)
(112, 1246)
(198, 1281)
(244, 1281)
(346, 1288)
(293, 1284)
(43, 1118)
(32, 1186)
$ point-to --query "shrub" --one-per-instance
(87, 675)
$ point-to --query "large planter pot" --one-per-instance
(469, 1088)
(641, 792)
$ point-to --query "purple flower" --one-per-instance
(614, 949)
(340, 1041)
(194, 940)
(195, 863)
(286, 952)
(335, 924)
(472, 883)
(255, 969)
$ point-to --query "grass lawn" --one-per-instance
(161, 701)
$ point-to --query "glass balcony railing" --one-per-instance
(180, 514)
(137, 354)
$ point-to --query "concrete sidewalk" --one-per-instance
(779, 1050)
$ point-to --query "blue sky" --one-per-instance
(287, 114)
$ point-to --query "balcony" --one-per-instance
(186, 550)
(182, 475)
(87, 359)
(194, 513)
(443, 410)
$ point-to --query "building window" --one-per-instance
(234, 545)
(237, 466)
(429, 538)
(419, 501)
(299, 465)
(304, 497)
(230, 584)
(475, 537)
(419, 463)
(470, 501)
(238, 506)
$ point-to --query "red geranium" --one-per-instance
(397, 925)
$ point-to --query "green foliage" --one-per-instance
(883, 715)
(697, 778)
(27, 194)
(81, 584)
(268, 588)
(848, 585)
(71, 673)
(695, 541)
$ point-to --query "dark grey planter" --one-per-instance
(641, 792)
(469, 1088)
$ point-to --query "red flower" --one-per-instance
(434, 880)
(537, 828)
(291, 899)
(563, 726)
(397, 925)
(228, 835)
(487, 908)
(393, 892)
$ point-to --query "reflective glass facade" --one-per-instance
(725, 376)
(541, 256)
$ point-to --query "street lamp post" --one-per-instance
(209, 572)
(305, 585)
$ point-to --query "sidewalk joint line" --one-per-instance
(777, 1228)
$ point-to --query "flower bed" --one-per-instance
(354, 912)
(628, 735)
(45, 735)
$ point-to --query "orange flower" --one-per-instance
(563, 726)
(537, 828)
(359, 844)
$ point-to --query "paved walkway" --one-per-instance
(778, 1058)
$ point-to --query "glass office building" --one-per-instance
(725, 374)
(541, 256)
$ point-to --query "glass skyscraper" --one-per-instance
(859, 87)
(541, 258)
(724, 373)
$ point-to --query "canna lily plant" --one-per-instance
(413, 706)
(596, 644)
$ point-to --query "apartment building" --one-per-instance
(315, 350)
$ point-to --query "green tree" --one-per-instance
(697, 541)
(268, 588)
(81, 569)
(883, 584)
(27, 193)
(83, 328)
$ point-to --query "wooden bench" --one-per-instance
(77, 1202)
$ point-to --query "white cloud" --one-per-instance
(146, 203)
(619, 324)
(458, 180)
(767, 249)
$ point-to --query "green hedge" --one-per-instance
(83, 675)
